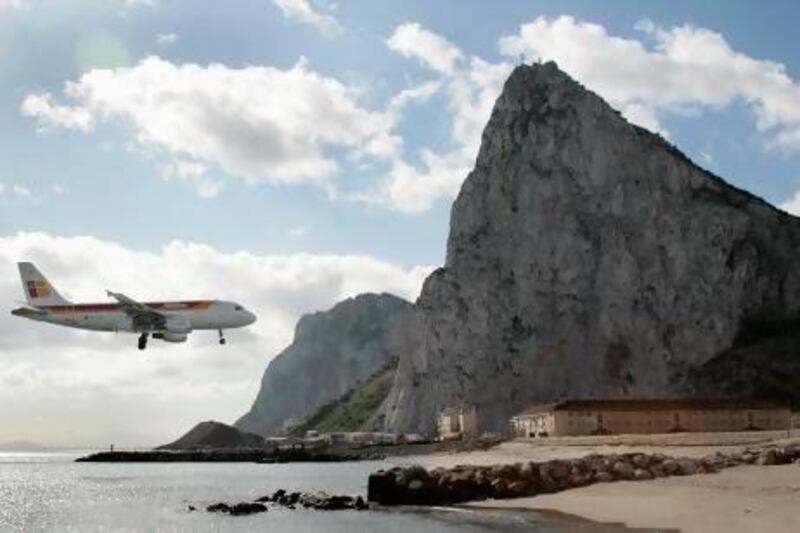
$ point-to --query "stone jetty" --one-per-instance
(415, 485)
(232, 455)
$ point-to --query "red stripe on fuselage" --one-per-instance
(193, 305)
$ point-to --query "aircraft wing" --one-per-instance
(144, 318)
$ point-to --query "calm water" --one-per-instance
(49, 492)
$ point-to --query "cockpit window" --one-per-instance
(239, 308)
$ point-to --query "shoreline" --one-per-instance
(557, 518)
(517, 519)
(737, 500)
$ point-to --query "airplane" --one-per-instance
(167, 321)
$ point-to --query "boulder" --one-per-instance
(670, 467)
(382, 488)
(657, 471)
(767, 457)
(360, 504)
(517, 489)
(526, 471)
(623, 470)
(499, 488)
(247, 508)
(559, 470)
(219, 508)
(687, 467)
(579, 480)
(603, 477)
(416, 485)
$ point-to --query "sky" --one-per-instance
(287, 154)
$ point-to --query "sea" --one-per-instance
(49, 491)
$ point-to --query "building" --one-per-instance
(367, 438)
(619, 416)
(457, 423)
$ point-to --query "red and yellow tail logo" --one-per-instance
(38, 289)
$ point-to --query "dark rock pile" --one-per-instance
(239, 509)
(414, 485)
(319, 501)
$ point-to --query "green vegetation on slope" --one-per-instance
(352, 411)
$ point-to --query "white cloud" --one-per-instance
(471, 87)
(166, 39)
(21, 190)
(434, 51)
(192, 172)
(792, 205)
(111, 392)
(685, 66)
(17, 190)
(10, 4)
(302, 11)
(707, 158)
(52, 115)
(259, 123)
(58, 189)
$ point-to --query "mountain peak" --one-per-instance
(587, 257)
(331, 352)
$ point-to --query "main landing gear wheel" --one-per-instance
(143, 341)
(221, 337)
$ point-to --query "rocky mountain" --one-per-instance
(213, 434)
(332, 352)
(587, 257)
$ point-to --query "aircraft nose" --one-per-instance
(250, 317)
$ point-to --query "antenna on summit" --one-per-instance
(522, 58)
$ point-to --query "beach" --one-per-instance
(739, 499)
(742, 499)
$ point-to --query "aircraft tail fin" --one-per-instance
(38, 290)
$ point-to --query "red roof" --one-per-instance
(655, 404)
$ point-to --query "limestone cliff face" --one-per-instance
(332, 351)
(587, 257)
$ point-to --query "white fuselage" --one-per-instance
(181, 317)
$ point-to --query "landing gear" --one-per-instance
(143, 341)
(221, 337)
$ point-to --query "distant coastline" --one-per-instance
(23, 446)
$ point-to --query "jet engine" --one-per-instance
(177, 330)
(178, 324)
(168, 336)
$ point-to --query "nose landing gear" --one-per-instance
(221, 337)
(143, 341)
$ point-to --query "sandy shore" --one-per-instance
(741, 499)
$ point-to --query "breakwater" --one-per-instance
(234, 455)
(415, 485)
